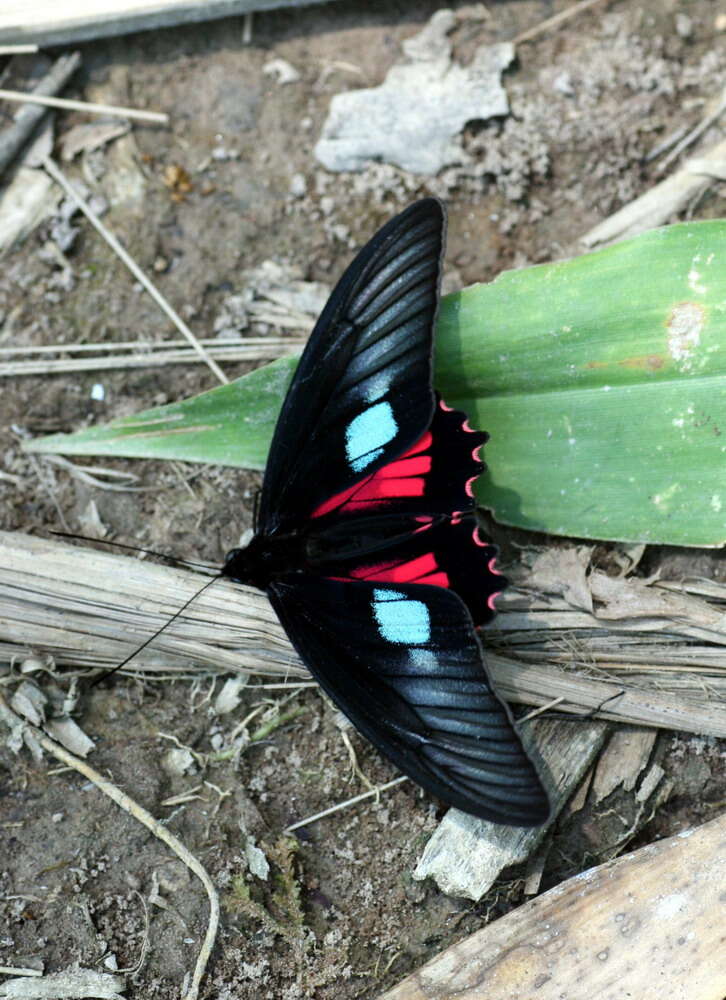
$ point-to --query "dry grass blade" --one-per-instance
(661, 202)
(91, 609)
(36, 361)
(17, 97)
(59, 177)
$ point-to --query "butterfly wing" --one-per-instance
(405, 666)
(362, 392)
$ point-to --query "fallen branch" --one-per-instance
(17, 135)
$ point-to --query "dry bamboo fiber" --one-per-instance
(88, 608)
(649, 926)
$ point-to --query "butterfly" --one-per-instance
(366, 540)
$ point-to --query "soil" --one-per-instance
(340, 915)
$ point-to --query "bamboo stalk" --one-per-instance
(92, 609)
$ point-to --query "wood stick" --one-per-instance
(17, 135)
(17, 50)
(17, 97)
(465, 855)
(649, 925)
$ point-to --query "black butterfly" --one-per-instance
(366, 541)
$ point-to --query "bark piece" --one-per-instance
(414, 117)
(622, 761)
(648, 925)
(465, 854)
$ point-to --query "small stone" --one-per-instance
(284, 71)
(684, 25)
(562, 83)
(298, 186)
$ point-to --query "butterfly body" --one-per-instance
(366, 539)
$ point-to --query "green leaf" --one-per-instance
(601, 380)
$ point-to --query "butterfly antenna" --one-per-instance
(173, 560)
(256, 508)
(182, 609)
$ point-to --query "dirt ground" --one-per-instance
(340, 915)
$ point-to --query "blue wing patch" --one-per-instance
(401, 620)
(368, 433)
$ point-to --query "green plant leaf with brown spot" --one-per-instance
(601, 380)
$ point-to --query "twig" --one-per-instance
(59, 177)
(9, 970)
(694, 134)
(345, 805)
(556, 21)
(665, 144)
(15, 137)
(542, 708)
(17, 97)
(247, 28)
(126, 803)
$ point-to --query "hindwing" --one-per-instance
(405, 666)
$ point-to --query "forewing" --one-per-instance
(404, 664)
(435, 474)
(361, 395)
